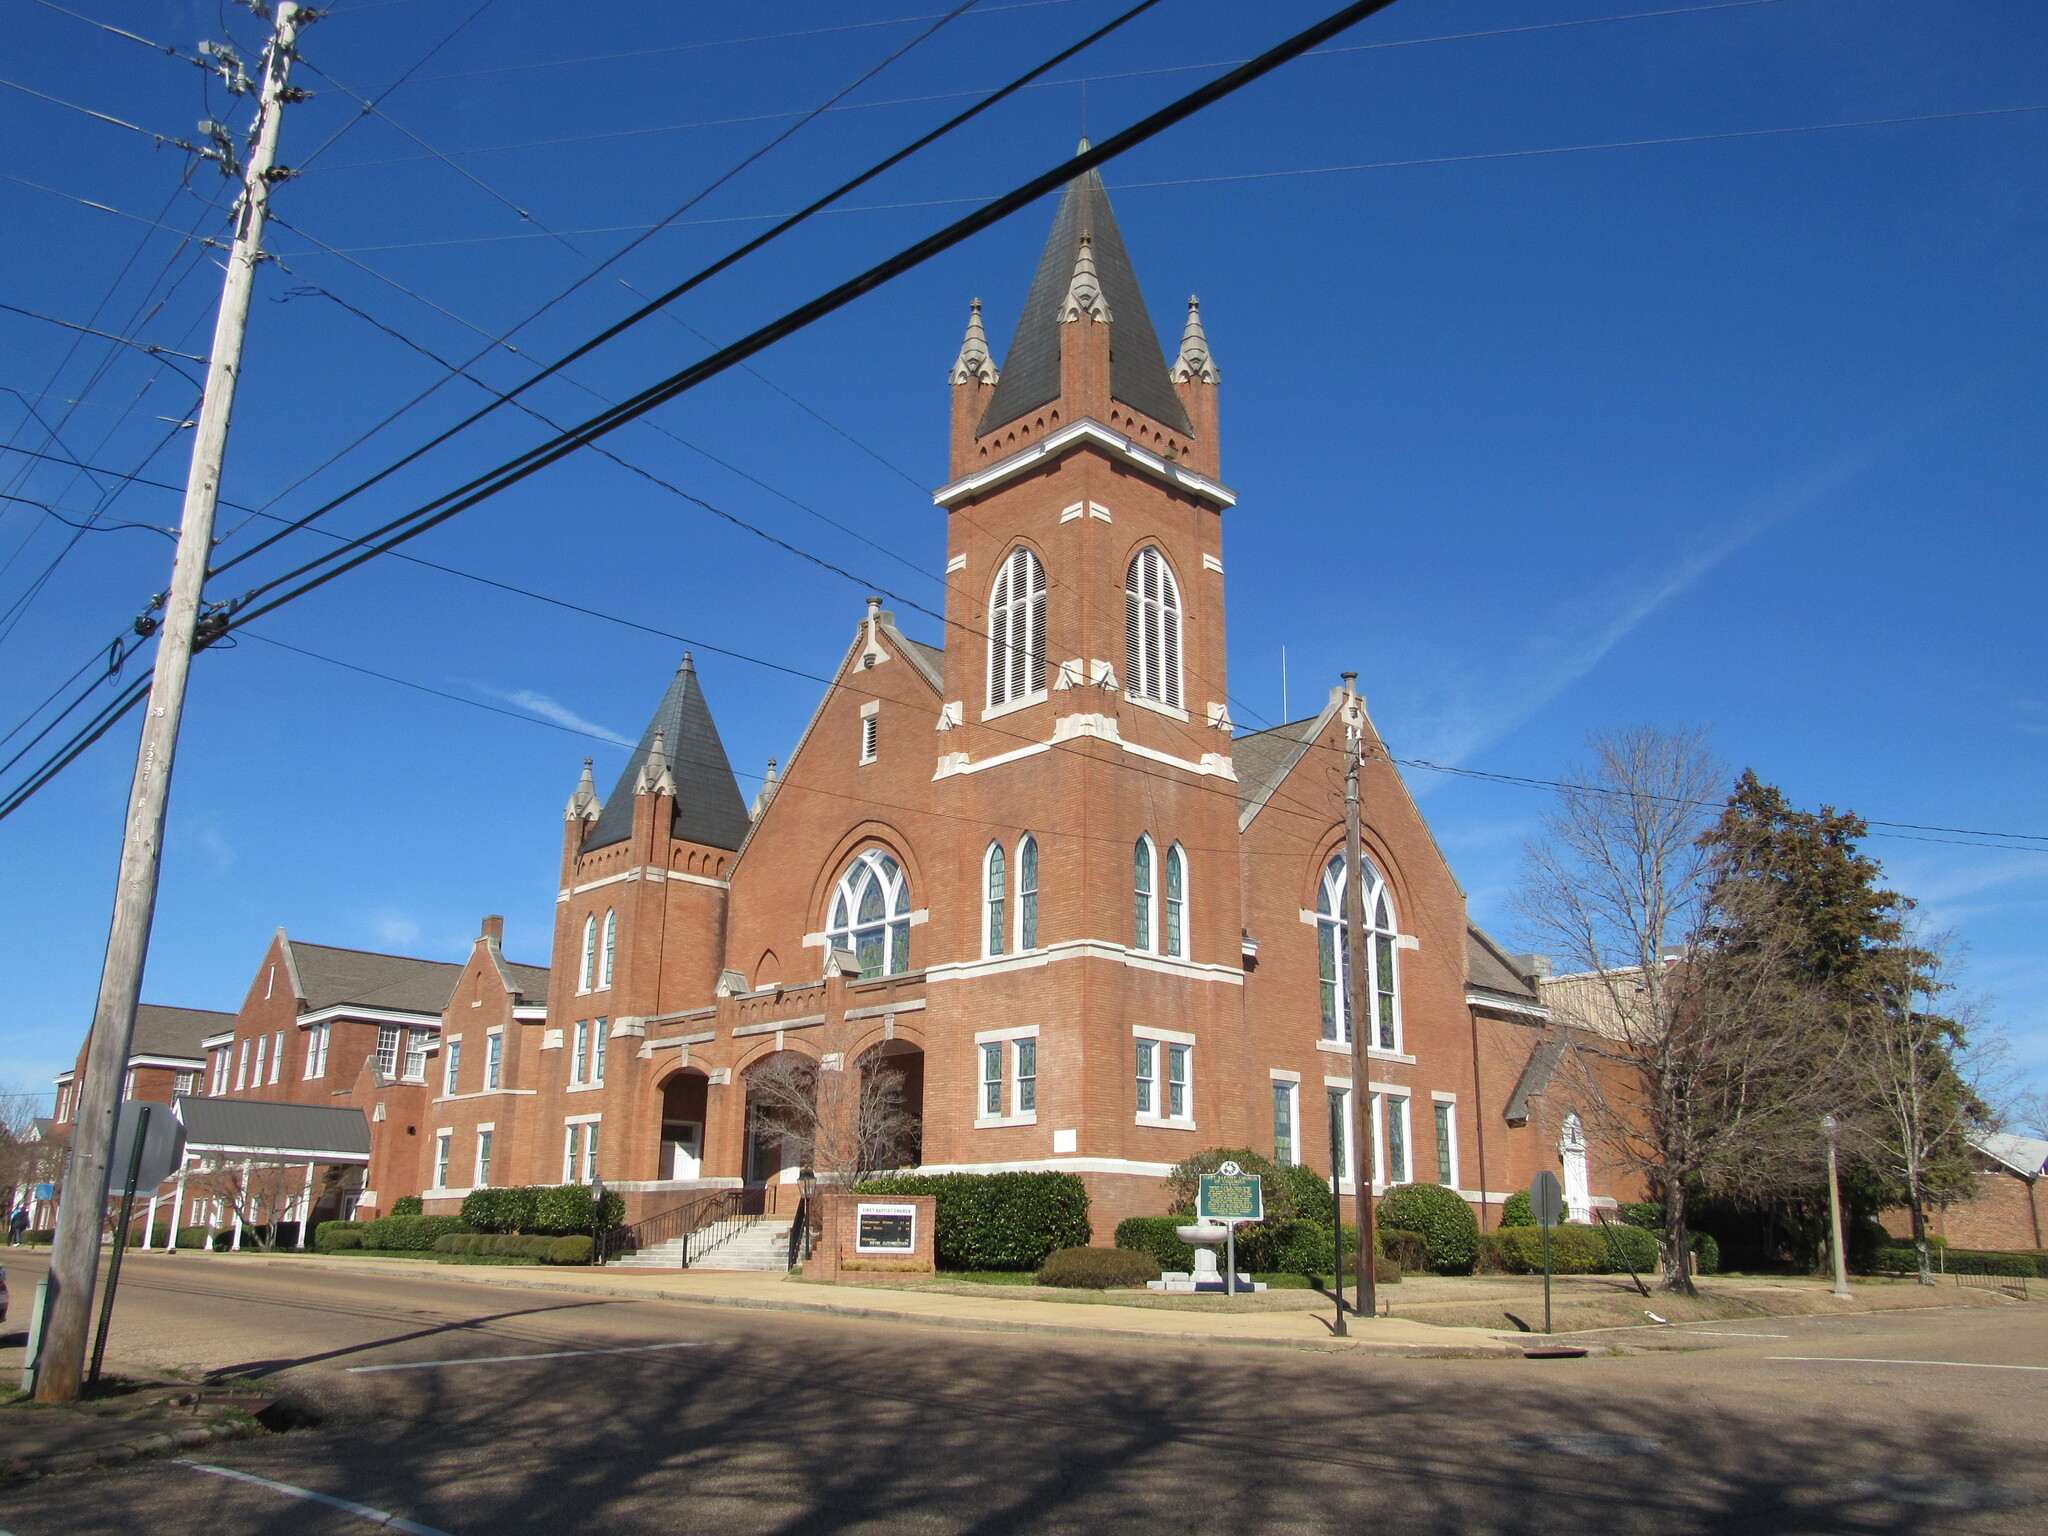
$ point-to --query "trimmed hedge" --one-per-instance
(499, 1210)
(1097, 1269)
(414, 1234)
(996, 1221)
(1442, 1218)
(1516, 1211)
(1904, 1259)
(408, 1205)
(341, 1242)
(329, 1230)
(550, 1210)
(1153, 1236)
(1574, 1250)
(505, 1245)
(1268, 1248)
(1633, 1247)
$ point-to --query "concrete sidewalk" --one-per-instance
(1001, 1311)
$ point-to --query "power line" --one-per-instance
(481, 488)
(161, 139)
(126, 341)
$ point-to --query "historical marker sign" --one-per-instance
(885, 1228)
(1231, 1196)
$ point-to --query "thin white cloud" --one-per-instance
(537, 703)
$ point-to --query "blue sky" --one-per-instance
(1740, 430)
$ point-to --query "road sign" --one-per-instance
(46, 1191)
(1231, 1196)
(1546, 1199)
(163, 1147)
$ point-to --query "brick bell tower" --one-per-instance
(1085, 711)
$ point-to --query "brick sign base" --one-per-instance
(840, 1254)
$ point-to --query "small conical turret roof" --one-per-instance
(1194, 361)
(1137, 368)
(974, 365)
(681, 745)
(584, 804)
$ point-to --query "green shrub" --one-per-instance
(408, 1205)
(341, 1242)
(412, 1234)
(1445, 1222)
(1184, 1182)
(1153, 1235)
(1903, 1259)
(1708, 1252)
(499, 1210)
(1574, 1250)
(1647, 1214)
(1310, 1192)
(1516, 1211)
(1632, 1247)
(329, 1230)
(1410, 1250)
(568, 1250)
(991, 1221)
(1097, 1269)
(193, 1237)
(565, 1210)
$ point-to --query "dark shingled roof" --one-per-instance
(161, 1031)
(1263, 758)
(261, 1126)
(709, 808)
(1137, 368)
(933, 657)
(1493, 969)
(1535, 1078)
(330, 978)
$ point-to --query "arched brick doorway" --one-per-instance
(892, 1097)
(683, 1106)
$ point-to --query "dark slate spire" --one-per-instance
(708, 806)
(1137, 368)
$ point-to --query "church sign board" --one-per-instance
(1230, 1196)
(880, 1228)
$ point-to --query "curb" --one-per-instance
(1452, 1351)
(14, 1469)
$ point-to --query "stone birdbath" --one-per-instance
(1205, 1238)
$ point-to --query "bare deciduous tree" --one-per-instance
(843, 1118)
(1683, 1058)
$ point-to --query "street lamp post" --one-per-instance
(1829, 1126)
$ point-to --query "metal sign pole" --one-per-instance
(1546, 1277)
(1343, 1329)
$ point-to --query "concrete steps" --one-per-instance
(759, 1245)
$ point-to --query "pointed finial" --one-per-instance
(974, 366)
(1084, 292)
(655, 778)
(1085, 146)
(769, 784)
(584, 804)
(1194, 361)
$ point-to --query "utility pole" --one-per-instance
(1357, 1000)
(1829, 1126)
(74, 1255)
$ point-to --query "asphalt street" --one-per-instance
(464, 1409)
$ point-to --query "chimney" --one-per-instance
(494, 930)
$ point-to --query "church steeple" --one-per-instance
(1084, 271)
(974, 365)
(708, 806)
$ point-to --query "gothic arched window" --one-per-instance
(1176, 902)
(1379, 956)
(1027, 893)
(610, 953)
(1152, 630)
(1142, 922)
(1016, 631)
(586, 973)
(871, 914)
(995, 901)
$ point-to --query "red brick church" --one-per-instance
(1036, 878)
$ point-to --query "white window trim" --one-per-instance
(607, 948)
(1155, 1032)
(1380, 889)
(1007, 1038)
(444, 1155)
(494, 1071)
(586, 969)
(1016, 895)
(1164, 1038)
(1156, 868)
(1011, 706)
(1186, 884)
(1291, 1083)
(870, 731)
(1171, 686)
(996, 696)
(477, 1169)
(1003, 930)
(1381, 1098)
(1439, 1102)
(1157, 708)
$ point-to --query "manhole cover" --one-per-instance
(1940, 1492)
(1597, 1446)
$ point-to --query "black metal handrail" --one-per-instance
(799, 1234)
(703, 1223)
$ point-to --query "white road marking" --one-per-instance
(374, 1516)
(1973, 1365)
(1730, 1333)
(553, 1354)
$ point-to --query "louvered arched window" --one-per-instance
(586, 973)
(1152, 630)
(1016, 631)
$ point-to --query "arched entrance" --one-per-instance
(682, 1125)
(892, 1106)
(781, 1123)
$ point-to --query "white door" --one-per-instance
(1578, 1192)
(682, 1147)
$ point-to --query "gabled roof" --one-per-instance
(2024, 1155)
(929, 659)
(258, 1125)
(161, 1031)
(1535, 1078)
(1137, 368)
(1264, 758)
(709, 808)
(332, 978)
(1490, 968)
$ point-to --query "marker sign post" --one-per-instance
(1231, 1196)
(1546, 1199)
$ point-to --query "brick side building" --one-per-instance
(1034, 880)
